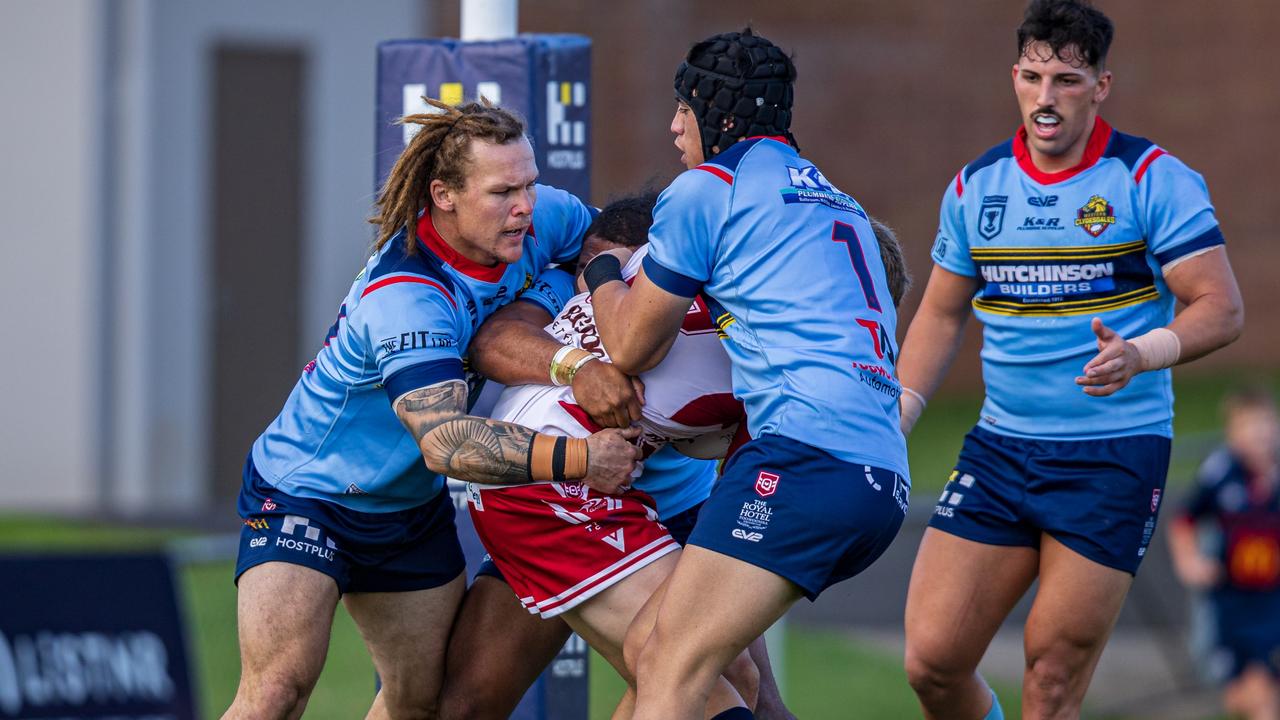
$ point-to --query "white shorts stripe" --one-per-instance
(605, 579)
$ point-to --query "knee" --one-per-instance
(1051, 676)
(466, 707)
(410, 701)
(744, 676)
(271, 696)
(931, 671)
(668, 663)
(491, 704)
(1253, 694)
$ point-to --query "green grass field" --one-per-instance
(829, 673)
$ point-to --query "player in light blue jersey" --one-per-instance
(337, 499)
(1070, 243)
(791, 267)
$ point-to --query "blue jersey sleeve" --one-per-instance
(550, 291)
(951, 245)
(560, 221)
(412, 331)
(684, 241)
(1177, 215)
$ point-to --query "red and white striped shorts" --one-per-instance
(559, 544)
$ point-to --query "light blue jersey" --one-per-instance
(793, 272)
(405, 324)
(1052, 251)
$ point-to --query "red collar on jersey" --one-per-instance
(1093, 150)
(428, 236)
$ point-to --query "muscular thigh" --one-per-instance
(406, 633)
(1077, 602)
(284, 614)
(496, 652)
(960, 592)
(603, 620)
(703, 621)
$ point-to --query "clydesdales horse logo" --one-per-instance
(1096, 216)
(766, 484)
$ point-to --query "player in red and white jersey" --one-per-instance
(593, 559)
(496, 651)
(688, 395)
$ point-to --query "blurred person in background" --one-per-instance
(344, 493)
(1237, 501)
(1071, 243)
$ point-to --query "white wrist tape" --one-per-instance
(911, 404)
(1158, 349)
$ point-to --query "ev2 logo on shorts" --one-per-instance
(766, 484)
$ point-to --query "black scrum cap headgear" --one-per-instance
(738, 85)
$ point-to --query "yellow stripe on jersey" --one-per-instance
(722, 323)
(1086, 252)
(1069, 307)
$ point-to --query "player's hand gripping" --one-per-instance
(611, 458)
(1117, 361)
(623, 255)
(611, 397)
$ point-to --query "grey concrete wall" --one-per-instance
(49, 214)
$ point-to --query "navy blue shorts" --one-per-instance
(679, 525)
(399, 551)
(801, 513)
(1100, 498)
(1246, 632)
(488, 568)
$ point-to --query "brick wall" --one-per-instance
(893, 98)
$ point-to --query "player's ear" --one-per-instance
(1103, 88)
(442, 196)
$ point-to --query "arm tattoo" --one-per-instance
(461, 446)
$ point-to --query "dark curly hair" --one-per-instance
(626, 221)
(1076, 32)
(895, 265)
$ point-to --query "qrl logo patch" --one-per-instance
(991, 216)
(766, 484)
(1155, 499)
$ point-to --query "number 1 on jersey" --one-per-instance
(844, 233)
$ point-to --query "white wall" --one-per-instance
(49, 354)
(106, 131)
(168, 459)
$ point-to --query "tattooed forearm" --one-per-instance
(424, 409)
(486, 451)
(461, 446)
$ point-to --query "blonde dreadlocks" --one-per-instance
(439, 151)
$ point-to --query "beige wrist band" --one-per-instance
(1158, 349)
(911, 404)
(557, 459)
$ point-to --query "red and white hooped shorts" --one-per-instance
(559, 544)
